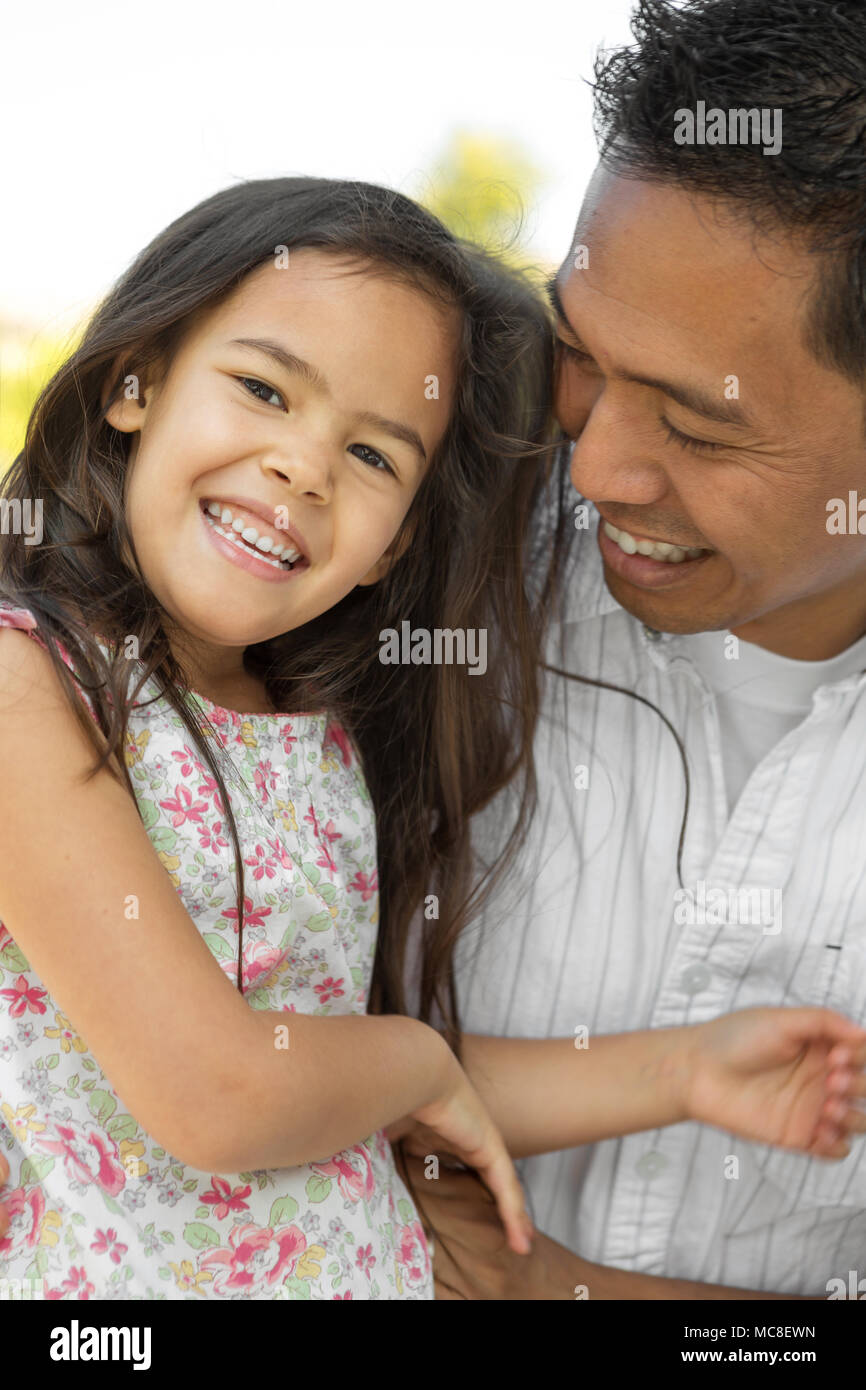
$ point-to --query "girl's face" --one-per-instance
(307, 406)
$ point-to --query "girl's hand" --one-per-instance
(458, 1124)
(788, 1077)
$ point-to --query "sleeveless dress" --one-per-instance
(98, 1209)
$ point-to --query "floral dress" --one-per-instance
(98, 1209)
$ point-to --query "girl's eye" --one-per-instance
(686, 441)
(251, 382)
(373, 457)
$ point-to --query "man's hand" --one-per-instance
(471, 1258)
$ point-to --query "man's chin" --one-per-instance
(664, 610)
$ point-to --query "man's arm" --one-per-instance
(473, 1261)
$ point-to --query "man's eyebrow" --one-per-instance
(314, 378)
(719, 409)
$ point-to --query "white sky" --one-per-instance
(120, 116)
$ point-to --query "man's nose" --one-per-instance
(611, 460)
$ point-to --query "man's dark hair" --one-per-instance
(805, 57)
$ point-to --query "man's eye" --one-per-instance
(251, 382)
(372, 456)
(687, 441)
(574, 354)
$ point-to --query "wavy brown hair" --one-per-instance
(436, 742)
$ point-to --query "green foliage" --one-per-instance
(483, 187)
(28, 360)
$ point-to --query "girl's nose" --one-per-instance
(306, 470)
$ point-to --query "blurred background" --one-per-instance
(120, 116)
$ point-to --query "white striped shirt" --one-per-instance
(586, 932)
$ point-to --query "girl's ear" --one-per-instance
(129, 407)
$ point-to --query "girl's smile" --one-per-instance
(249, 547)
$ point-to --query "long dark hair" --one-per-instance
(436, 742)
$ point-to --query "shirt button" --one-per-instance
(651, 634)
(695, 978)
(651, 1163)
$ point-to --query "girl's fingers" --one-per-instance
(828, 1142)
(4, 1170)
(501, 1177)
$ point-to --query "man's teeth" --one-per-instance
(656, 550)
(278, 555)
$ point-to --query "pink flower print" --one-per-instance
(259, 960)
(187, 760)
(265, 779)
(329, 989)
(354, 1183)
(224, 1200)
(365, 1259)
(263, 863)
(106, 1243)
(364, 884)
(347, 1294)
(281, 853)
(251, 919)
(182, 807)
(335, 733)
(326, 860)
(99, 1167)
(211, 838)
(287, 738)
(256, 1256)
(330, 834)
(413, 1254)
(31, 1207)
(24, 996)
(75, 1284)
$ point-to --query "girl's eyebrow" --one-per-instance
(310, 374)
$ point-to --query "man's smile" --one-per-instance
(647, 563)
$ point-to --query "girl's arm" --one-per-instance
(85, 897)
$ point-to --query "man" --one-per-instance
(712, 316)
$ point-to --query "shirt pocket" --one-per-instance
(832, 979)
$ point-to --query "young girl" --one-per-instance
(294, 428)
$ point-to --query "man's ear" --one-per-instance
(395, 551)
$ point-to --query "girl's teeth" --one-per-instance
(265, 544)
(658, 550)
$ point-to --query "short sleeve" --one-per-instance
(22, 618)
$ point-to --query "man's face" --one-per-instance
(702, 420)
